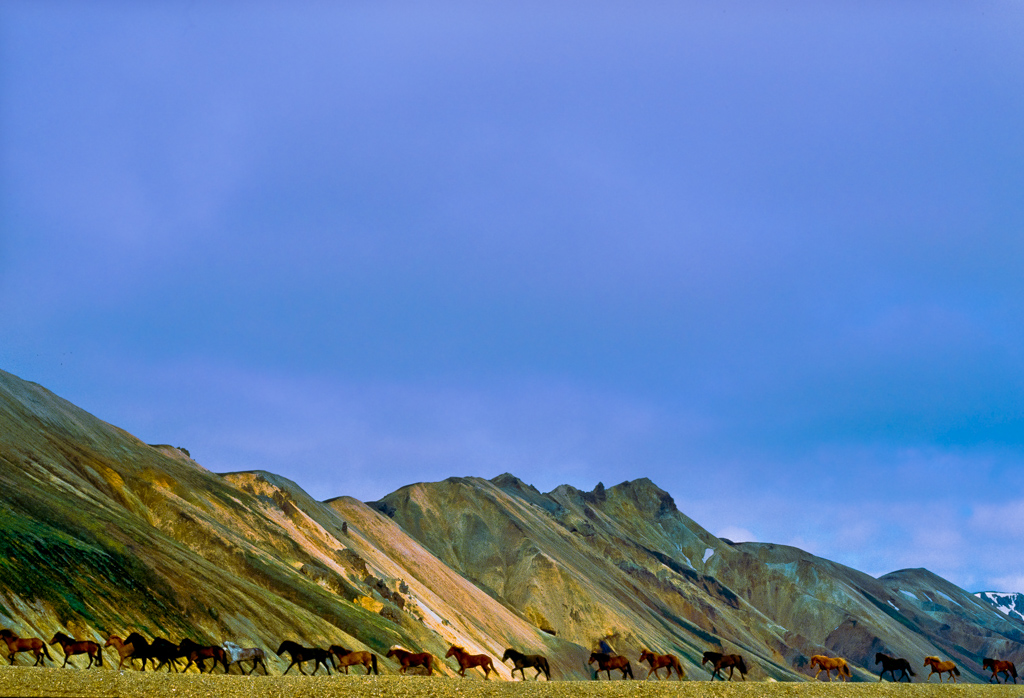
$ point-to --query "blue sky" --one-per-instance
(767, 254)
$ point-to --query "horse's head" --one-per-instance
(644, 654)
(391, 652)
(285, 647)
(452, 651)
(595, 657)
(508, 653)
(113, 641)
(988, 663)
(930, 660)
(61, 638)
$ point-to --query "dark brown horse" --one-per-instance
(721, 661)
(17, 644)
(198, 654)
(408, 659)
(892, 665)
(344, 658)
(468, 661)
(660, 661)
(522, 661)
(72, 647)
(300, 654)
(606, 662)
(161, 651)
(940, 667)
(999, 666)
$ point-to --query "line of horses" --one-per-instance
(892, 665)
(162, 652)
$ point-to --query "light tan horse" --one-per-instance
(657, 661)
(124, 649)
(827, 664)
(940, 667)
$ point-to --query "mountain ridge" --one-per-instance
(105, 534)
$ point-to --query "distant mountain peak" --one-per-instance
(1010, 603)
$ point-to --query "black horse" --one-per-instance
(300, 654)
(892, 665)
(721, 661)
(521, 661)
(161, 651)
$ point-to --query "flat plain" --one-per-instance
(31, 682)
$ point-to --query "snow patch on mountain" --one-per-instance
(1010, 603)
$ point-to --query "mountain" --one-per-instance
(624, 565)
(1012, 604)
(106, 534)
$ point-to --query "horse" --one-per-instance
(827, 664)
(721, 661)
(125, 650)
(521, 661)
(237, 655)
(892, 665)
(344, 658)
(999, 666)
(198, 654)
(300, 654)
(161, 651)
(606, 662)
(408, 659)
(17, 644)
(657, 661)
(468, 661)
(72, 647)
(939, 667)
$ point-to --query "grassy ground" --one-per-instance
(31, 682)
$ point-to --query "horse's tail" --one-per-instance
(99, 656)
(45, 651)
(629, 668)
(545, 667)
(956, 671)
(373, 661)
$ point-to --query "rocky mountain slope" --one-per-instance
(106, 534)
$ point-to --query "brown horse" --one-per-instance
(344, 658)
(408, 659)
(659, 661)
(940, 667)
(999, 666)
(198, 654)
(521, 661)
(124, 649)
(72, 647)
(17, 644)
(827, 664)
(721, 661)
(606, 662)
(468, 661)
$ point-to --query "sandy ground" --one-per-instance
(31, 682)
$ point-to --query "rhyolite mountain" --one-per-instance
(104, 534)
